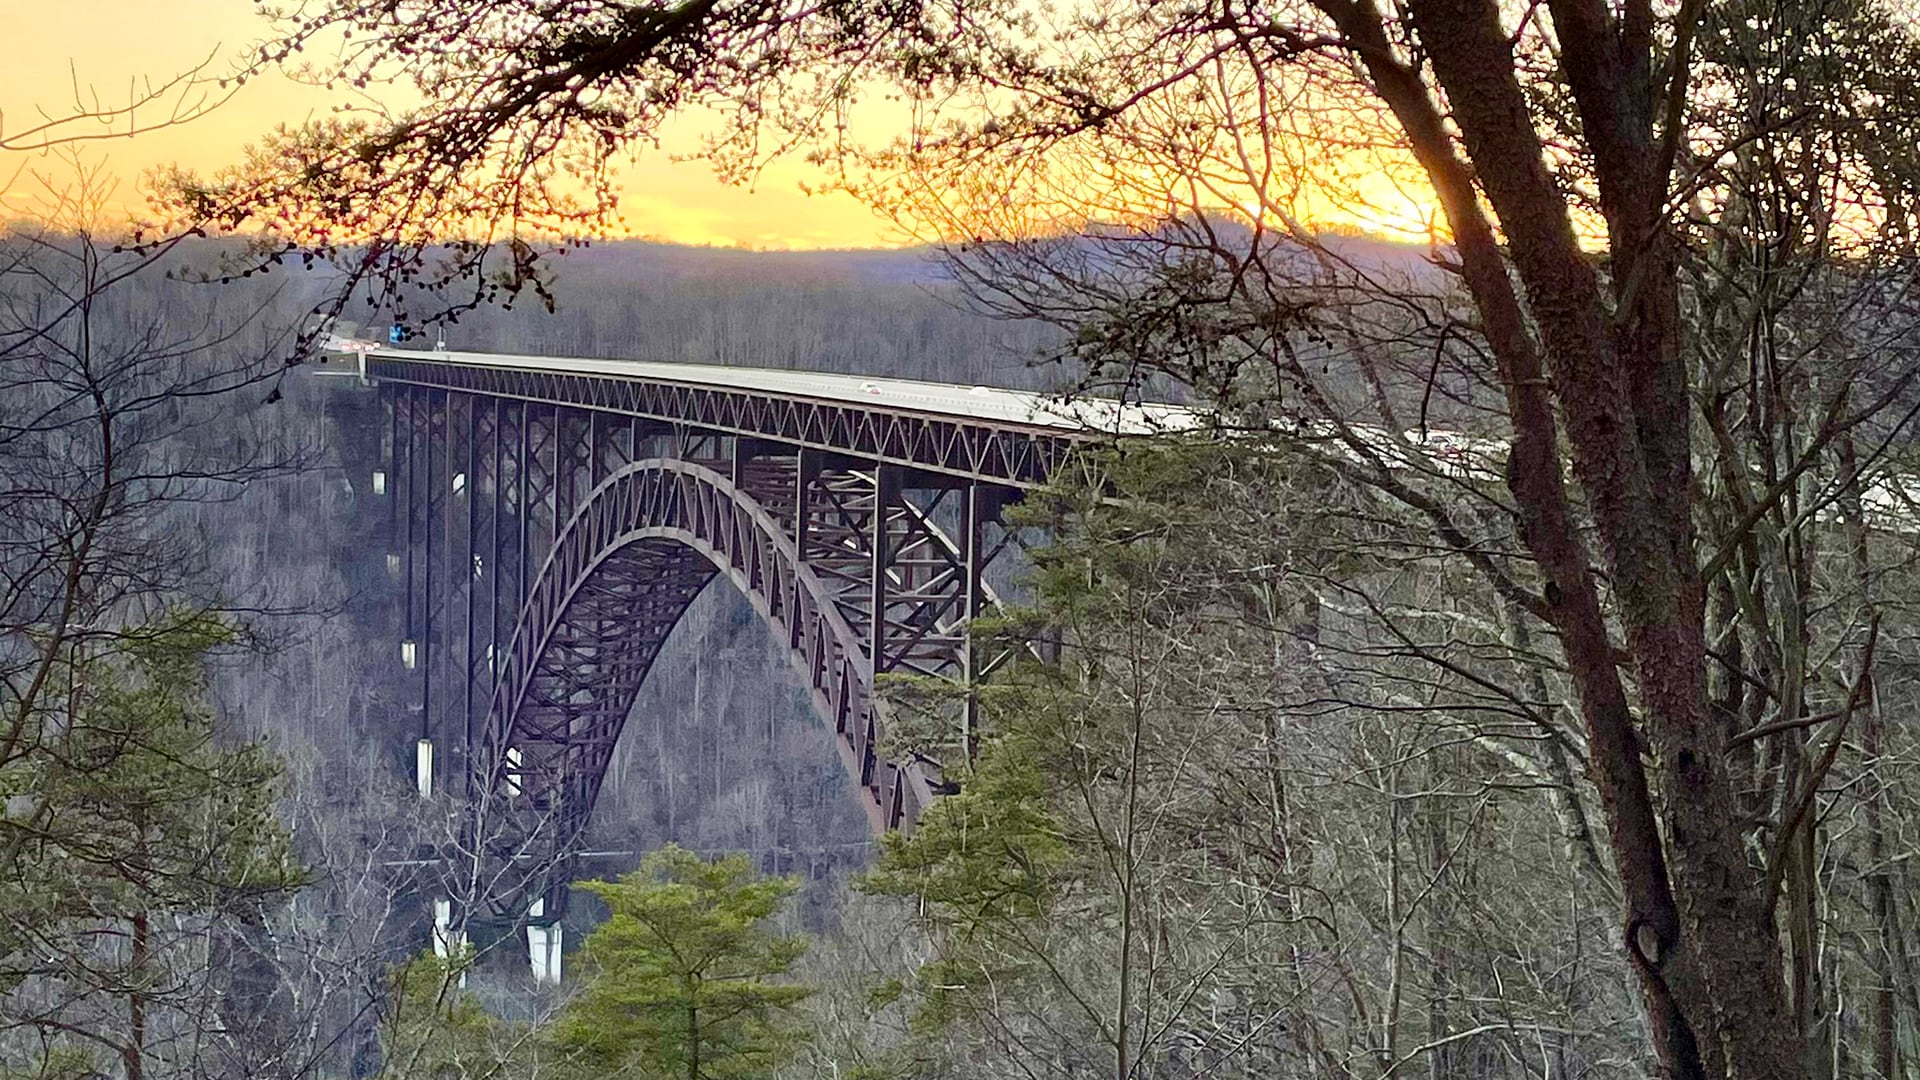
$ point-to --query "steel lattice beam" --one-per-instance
(1017, 455)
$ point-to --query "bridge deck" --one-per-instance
(997, 406)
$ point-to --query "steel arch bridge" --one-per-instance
(551, 520)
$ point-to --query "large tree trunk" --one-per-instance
(1699, 928)
(1620, 383)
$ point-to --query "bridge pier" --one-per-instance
(449, 942)
(544, 945)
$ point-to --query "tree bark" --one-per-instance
(1886, 1000)
(1698, 928)
(135, 1055)
(1620, 384)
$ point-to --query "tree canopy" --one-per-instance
(685, 977)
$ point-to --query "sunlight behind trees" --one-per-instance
(1505, 674)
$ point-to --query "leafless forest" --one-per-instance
(1512, 676)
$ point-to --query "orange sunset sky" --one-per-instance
(106, 45)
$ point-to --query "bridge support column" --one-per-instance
(448, 943)
(886, 493)
(472, 573)
(973, 523)
(423, 767)
(544, 945)
(806, 471)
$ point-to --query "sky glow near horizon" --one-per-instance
(105, 47)
(101, 50)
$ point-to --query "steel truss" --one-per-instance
(1018, 455)
(548, 551)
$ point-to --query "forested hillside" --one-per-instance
(880, 313)
(1508, 672)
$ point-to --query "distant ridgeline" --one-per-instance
(860, 312)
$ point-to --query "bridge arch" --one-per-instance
(622, 571)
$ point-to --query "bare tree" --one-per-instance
(132, 828)
(1604, 175)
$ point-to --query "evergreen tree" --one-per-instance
(127, 833)
(684, 979)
